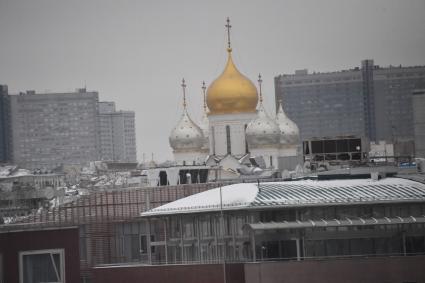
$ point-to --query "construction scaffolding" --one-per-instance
(98, 214)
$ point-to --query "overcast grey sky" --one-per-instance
(136, 52)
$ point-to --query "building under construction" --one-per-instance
(98, 217)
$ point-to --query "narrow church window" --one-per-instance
(229, 145)
(271, 161)
(213, 140)
(246, 142)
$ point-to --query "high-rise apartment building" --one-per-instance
(117, 134)
(367, 101)
(419, 121)
(5, 142)
(51, 129)
(317, 103)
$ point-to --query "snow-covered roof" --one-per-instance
(296, 193)
(10, 171)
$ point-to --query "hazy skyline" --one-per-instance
(136, 52)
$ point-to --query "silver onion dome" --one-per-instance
(186, 135)
(262, 131)
(290, 133)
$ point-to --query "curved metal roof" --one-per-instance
(347, 191)
(297, 194)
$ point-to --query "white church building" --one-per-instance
(236, 135)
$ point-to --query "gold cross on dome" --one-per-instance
(203, 90)
(184, 92)
(260, 81)
(228, 26)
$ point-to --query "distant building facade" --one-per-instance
(419, 121)
(5, 142)
(117, 134)
(367, 101)
(52, 129)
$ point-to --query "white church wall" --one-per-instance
(289, 150)
(190, 157)
(237, 123)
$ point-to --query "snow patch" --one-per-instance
(236, 195)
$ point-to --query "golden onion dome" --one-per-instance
(232, 92)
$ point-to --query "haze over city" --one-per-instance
(136, 52)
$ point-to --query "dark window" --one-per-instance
(229, 145)
(342, 145)
(354, 145)
(143, 244)
(152, 247)
(330, 146)
(213, 140)
(163, 180)
(306, 148)
(246, 142)
(42, 266)
(134, 247)
(317, 146)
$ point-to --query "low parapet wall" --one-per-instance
(182, 273)
(354, 270)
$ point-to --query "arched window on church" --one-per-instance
(229, 145)
(213, 140)
(246, 142)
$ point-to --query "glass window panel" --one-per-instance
(45, 266)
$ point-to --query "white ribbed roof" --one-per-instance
(297, 193)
